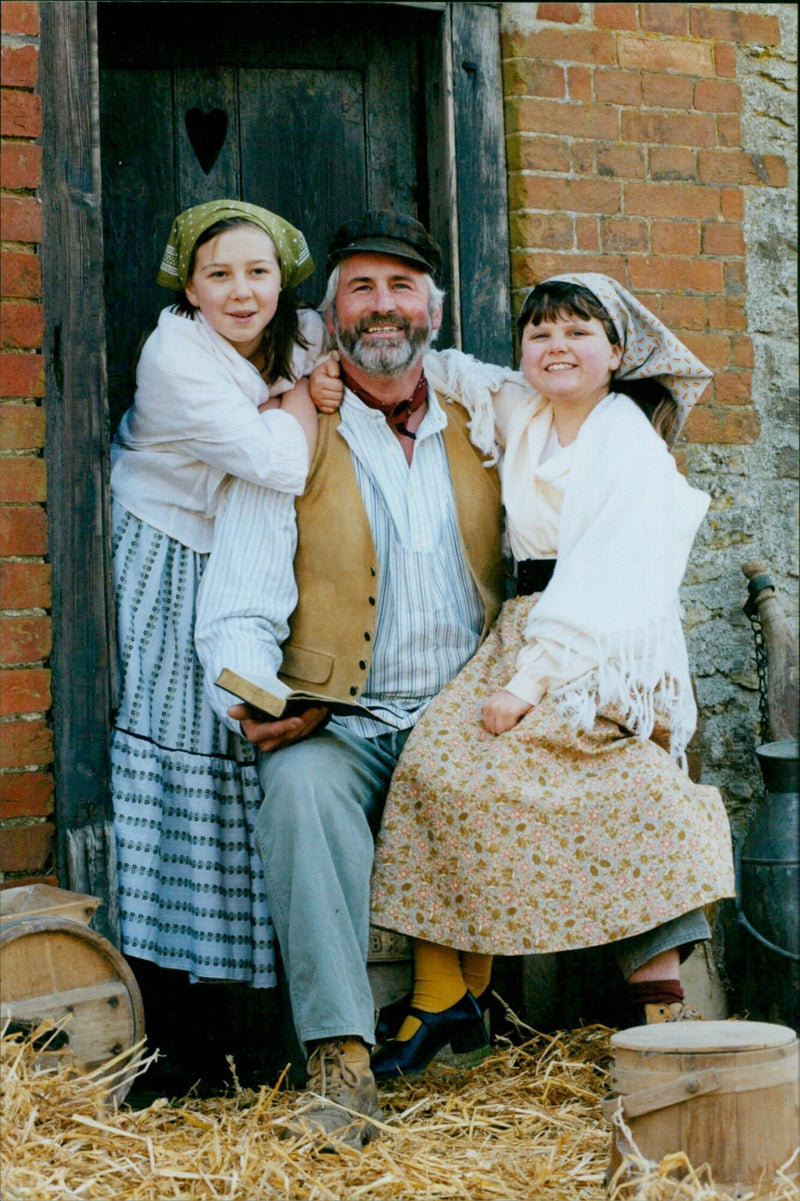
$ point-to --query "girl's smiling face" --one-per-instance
(235, 284)
(569, 360)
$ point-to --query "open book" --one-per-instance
(286, 703)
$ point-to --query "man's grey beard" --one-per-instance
(382, 360)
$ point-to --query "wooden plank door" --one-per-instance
(275, 120)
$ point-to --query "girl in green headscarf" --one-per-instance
(220, 391)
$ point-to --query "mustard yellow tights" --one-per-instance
(442, 976)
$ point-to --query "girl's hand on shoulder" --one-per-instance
(503, 710)
(325, 385)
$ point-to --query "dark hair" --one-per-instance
(559, 298)
(283, 332)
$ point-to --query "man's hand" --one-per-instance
(503, 711)
(269, 735)
(325, 385)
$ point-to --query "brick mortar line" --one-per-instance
(19, 823)
(18, 40)
(666, 110)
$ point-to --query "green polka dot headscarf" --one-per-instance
(293, 254)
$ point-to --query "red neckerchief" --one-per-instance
(396, 413)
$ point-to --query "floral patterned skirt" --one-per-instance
(540, 839)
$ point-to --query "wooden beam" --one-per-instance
(77, 446)
(480, 164)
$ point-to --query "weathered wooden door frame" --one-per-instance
(465, 99)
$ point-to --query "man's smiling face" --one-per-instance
(381, 317)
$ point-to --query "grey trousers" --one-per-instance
(323, 800)
(682, 932)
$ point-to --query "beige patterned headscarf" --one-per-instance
(290, 245)
(650, 351)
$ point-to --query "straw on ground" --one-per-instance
(525, 1124)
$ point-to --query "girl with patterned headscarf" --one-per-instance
(541, 804)
(220, 392)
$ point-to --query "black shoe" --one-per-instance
(460, 1028)
(391, 1017)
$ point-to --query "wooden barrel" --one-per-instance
(727, 1094)
(53, 968)
(36, 900)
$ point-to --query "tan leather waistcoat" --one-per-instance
(332, 630)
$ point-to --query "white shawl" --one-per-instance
(195, 419)
(627, 526)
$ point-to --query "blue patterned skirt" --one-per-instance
(185, 788)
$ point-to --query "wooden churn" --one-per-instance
(53, 967)
(726, 1094)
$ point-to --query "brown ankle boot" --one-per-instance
(661, 1011)
(341, 1104)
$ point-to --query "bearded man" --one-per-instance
(379, 586)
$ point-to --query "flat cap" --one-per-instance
(383, 232)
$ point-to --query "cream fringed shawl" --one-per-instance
(627, 526)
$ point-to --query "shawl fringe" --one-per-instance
(471, 383)
(631, 680)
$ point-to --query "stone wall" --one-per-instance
(755, 487)
(655, 142)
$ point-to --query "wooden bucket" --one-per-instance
(52, 967)
(727, 1094)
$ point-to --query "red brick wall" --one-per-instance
(625, 157)
(26, 750)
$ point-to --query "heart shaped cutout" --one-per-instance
(207, 132)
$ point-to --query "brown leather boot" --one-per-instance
(674, 1012)
(341, 1104)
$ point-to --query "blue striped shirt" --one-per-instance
(429, 610)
